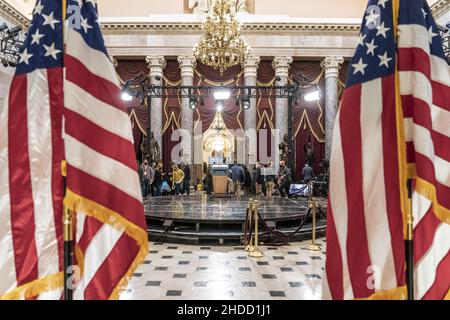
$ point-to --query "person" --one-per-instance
(269, 177)
(237, 173)
(187, 179)
(151, 179)
(158, 180)
(307, 173)
(141, 176)
(259, 178)
(146, 174)
(177, 179)
(248, 180)
(309, 153)
(284, 179)
(208, 180)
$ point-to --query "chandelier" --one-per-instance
(218, 123)
(221, 45)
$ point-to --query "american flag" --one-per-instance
(393, 124)
(64, 104)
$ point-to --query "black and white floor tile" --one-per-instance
(184, 272)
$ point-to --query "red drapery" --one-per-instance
(308, 117)
(301, 141)
(232, 113)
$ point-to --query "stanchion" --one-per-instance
(256, 253)
(248, 223)
(313, 207)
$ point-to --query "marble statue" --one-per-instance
(200, 6)
(241, 6)
(206, 6)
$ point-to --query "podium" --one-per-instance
(220, 179)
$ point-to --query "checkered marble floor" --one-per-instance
(183, 272)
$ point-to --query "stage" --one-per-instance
(202, 219)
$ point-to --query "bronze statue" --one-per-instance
(309, 154)
(154, 154)
(284, 148)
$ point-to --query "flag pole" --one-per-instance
(409, 246)
(404, 178)
(67, 213)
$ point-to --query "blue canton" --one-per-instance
(89, 24)
(375, 54)
(43, 47)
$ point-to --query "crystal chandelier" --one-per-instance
(218, 124)
(221, 46)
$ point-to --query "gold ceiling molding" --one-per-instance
(15, 16)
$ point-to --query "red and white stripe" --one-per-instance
(31, 191)
(365, 229)
(101, 167)
(425, 89)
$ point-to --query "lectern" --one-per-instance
(220, 179)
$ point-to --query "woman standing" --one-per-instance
(178, 178)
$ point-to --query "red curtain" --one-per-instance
(266, 106)
(129, 69)
(301, 141)
(232, 113)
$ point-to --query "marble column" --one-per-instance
(250, 67)
(331, 65)
(282, 66)
(187, 66)
(156, 65)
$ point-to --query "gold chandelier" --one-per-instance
(221, 46)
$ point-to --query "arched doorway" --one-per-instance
(218, 142)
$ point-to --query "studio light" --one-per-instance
(11, 44)
(126, 96)
(222, 94)
(313, 95)
(14, 31)
(193, 101)
(219, 105)
(246, 103)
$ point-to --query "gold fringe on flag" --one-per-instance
(90, 208)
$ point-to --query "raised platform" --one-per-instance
(202, 219)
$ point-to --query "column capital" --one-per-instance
(282, 65)
(250, 66)
(114, 61)
(332, 65)
(187, 65)
(156, 64)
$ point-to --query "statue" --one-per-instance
(309, 154)
(154, 154)
(241, 6)
(284, 148)
(200, 6)
(206, 6)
